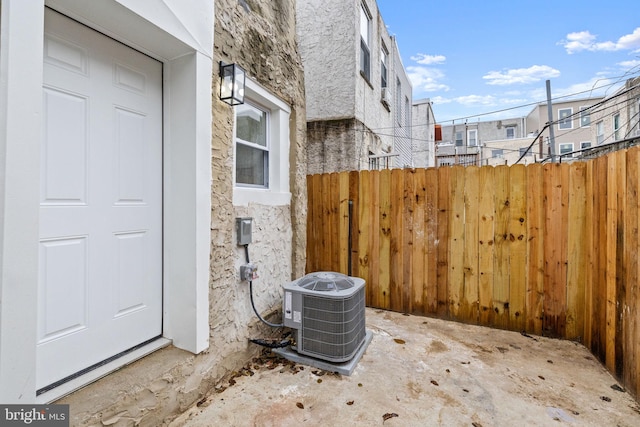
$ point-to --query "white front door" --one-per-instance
(100, 277)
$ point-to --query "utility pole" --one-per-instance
(552, 138)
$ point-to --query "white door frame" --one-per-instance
(180, 36)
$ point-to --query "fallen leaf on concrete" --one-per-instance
(605, 398)
(300, 405)
(434, 382)
(448, 371)
(359, 384)
(201, 401)
(466, 363)
(616, 387)
(399, 341)
(350, 402)
(386, 416)
(474, 424)
(549, 361)
(465, 390)
(319, 380)
(541, 377)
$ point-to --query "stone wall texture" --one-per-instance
(260, 36)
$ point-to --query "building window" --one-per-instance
(407, 112)
(398, 101)
(599, 133)
(384, 58)
(458, 139)
(566, 148)
(252, 145)
(524, 151)
(564, 118)
(261, 135)
(365, 41)
(511, 132)
(584, 145)
(472, 137)
(616, 127)
(497, 153)
(585, 117)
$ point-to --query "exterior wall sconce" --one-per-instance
(232, 84)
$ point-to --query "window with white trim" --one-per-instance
(564, 118)
(458, 139)
(472, 137)
(585, 117)
(524, 151)
(599, 132)
(511, 132)
(497, 153)
(384, 58)
(261, 135)
(252, 145)
(616, 127)
(566, 148)
(585, 144)
(365, 42)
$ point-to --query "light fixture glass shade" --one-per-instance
(232, 84)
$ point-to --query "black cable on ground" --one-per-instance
(271, 344)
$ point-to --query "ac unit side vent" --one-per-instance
(332, 329)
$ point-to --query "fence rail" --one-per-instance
(548, 249)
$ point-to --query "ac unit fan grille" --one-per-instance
(332, 329)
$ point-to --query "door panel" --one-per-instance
(100, 278)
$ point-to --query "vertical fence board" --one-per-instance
(591, 256)
(366, 212)
(442, 241)
(486, 225)
(469, 307)
(535, 249)
(354, 195)
(456, 242)
(418, 270)
(576, 252)
(500, 303)
(611, 251)
(630, 302)
(396, 233)
(621, 179)
(553, 305)
(408, 206)
(518, 246)
(384, 273)
(343, 223)
(431, 217)
(599, 319)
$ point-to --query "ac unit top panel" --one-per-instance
(326, 284)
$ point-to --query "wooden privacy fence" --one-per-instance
(548, 249)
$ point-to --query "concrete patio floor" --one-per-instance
(427, 372)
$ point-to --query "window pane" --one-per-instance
(364, 25)
(251, 124)
(365, 60)
(566, 148)
(251, 165)
(585, 118)
(564, 121)
(511, 132)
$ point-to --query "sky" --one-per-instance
(487, 60)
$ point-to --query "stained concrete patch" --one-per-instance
(480, 377)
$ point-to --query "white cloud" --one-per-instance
(634, 63)
(439, 100)
(532, 74)
(474, 100)
(584, 40)
(424, 59)
(426, 79)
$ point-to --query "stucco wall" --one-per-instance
(260, 36)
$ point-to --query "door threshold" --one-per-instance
(101, 371)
